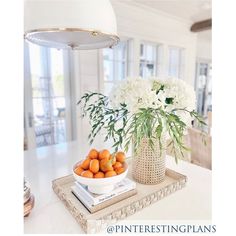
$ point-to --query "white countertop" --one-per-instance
(50, 216)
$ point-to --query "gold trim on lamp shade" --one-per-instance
(115, 39)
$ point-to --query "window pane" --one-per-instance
(35, 63)
(108, 88)
(121, 51)
(175, 62)
(48, 96)
(150, 69)
(141, 69)
(204, 88)
(148, 60)
(108, 70)
(203, 69)
(57, 72)
(150, 53)
(115, 64)
(39, 108)
(107, 54)
(121, 70)
(59, 106)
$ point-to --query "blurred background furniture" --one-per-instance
(209, 121)
(28, 199)
(200, 144)
(44, 134)
(186, 155)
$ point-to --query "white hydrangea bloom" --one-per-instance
(135, 93)
(182, 92)
(139, 93)
(184, 97)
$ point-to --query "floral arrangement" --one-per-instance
(140, 108)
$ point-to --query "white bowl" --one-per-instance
(100, 185)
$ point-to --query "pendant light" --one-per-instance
(76, 24)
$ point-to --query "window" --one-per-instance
(175, 62)
(47, 93)
(148, 60)
(115, 64)
(203, 87)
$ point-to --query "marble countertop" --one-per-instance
(49, 215)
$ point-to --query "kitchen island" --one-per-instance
(42, 165)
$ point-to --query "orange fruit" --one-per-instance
(87, 174)
(105, 158)
(120, 170)
(103, 154)
(105, 165)
(93, 154)
(85, 164)
(78, 170)
(94, 166)
(99, 175)
(113, 159)
(110, 173)
(117, 165)
(120, 156)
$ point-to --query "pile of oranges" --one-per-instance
(101, 164)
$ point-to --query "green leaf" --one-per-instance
(169, 100)
(122, 127)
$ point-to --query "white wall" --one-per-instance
(86, 71)
(204, 47)
(138, 24)
(141, 24)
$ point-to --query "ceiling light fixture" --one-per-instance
(76, 24)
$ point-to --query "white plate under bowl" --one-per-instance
(100, 185)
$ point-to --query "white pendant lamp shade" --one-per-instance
(76, 24)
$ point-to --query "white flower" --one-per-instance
(167, 94)
(135, 93)
(184, 98)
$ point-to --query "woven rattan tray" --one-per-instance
(98, 221)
